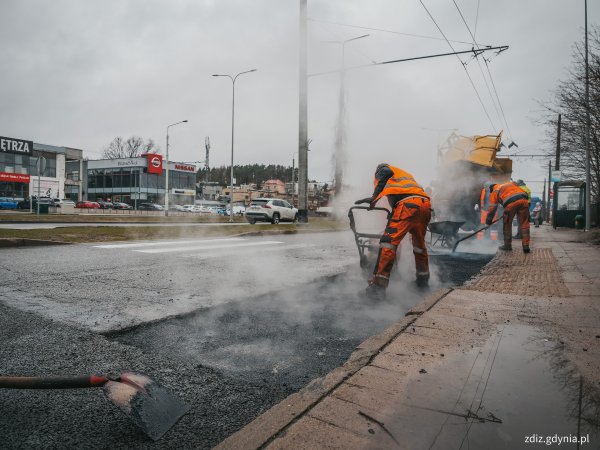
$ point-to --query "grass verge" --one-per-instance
(79, 234)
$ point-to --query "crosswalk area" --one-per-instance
(203, 247)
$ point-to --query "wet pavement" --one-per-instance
(517, 384)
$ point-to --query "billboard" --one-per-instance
(12, 145)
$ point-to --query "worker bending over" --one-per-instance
(515, 202)
(411, 212)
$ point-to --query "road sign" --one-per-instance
(556, 176)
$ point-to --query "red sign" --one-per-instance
(154, 163)
(14, 177)
(185, 167)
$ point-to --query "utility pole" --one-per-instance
(549, 190)
(544, 199)
(588, 190)
(303, 121)
(557, 161)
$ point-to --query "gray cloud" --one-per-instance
(80, 73)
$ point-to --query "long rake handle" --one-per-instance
(474, 233)
(68, 382)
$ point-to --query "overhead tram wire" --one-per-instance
(499, 49)
(463, 66)
(488, 70)
(385, 31)
(475, 44)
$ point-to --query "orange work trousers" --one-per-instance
(520, 208)
(411, 215)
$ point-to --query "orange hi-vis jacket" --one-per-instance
(399, 183)
(505, 194)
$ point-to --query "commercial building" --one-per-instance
(141, 179)
(58, 177)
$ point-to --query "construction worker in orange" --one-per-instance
(411, 212)
(515, 202)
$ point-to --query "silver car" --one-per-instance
(272, 210)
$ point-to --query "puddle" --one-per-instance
(517, 391)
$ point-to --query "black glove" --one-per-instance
(363, 200)
(488, 220)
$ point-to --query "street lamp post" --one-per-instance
(340, 144)
(167, 169)
(232, 129)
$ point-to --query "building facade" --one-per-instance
(58, 175)
(141, 179)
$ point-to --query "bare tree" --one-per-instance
(131, 148)
(569, 101)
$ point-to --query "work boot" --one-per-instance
(422, 281)
(506, 248)
(375, 292)
(526, 249)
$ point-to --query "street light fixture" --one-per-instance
(232, 129)
(167, 169)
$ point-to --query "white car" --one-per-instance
(272, 210)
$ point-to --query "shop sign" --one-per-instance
(127, 163)
(154, 163)
(14, 177)
(12, 145)
(183, 191)
(185, 167)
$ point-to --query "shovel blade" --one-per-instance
(153, 408)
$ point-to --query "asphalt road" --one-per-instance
(231, 327)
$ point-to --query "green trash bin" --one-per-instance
(579, 222)
(44, 208)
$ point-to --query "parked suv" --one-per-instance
(271, 210)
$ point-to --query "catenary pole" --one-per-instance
(303, 120)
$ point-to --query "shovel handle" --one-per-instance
(74, 382)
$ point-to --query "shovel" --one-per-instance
(474, 233)
(150, 406)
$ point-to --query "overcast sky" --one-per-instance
(79, 73)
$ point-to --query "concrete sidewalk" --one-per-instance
(509, 360)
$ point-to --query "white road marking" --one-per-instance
(208, 247)
(158, 243)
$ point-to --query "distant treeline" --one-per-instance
(249, 173)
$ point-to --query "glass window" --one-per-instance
(126, 178)
(570, 198)
(117, 177)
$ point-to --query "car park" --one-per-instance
(8, 203)
(150, 207)
(121, 205)
(272, 210)
(87, 204)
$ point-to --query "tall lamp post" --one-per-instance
(340, 144)
(232, 128)
(167, 169)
